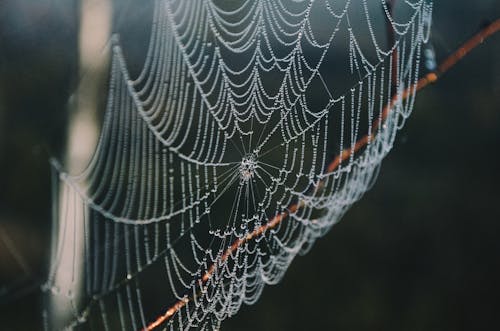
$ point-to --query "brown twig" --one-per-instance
(429, 78)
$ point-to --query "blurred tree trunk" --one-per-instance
(83, 131)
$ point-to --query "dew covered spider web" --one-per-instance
(250, 130)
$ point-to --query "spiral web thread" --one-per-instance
(211, 171)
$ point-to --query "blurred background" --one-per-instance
(419, 252)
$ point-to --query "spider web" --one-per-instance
(219, 161)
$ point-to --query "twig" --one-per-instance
(429, 78)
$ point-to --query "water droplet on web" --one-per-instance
(247, 167)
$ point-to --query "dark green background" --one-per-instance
(421, 251)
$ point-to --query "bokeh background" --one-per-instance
(421, 250)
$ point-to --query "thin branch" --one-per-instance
(429, 78)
